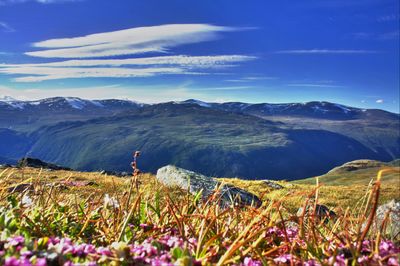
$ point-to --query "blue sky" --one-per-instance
(344, 51)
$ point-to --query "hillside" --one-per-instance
(80, 217)
(357, 173)
(253, 141)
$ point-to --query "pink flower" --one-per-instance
(11, 261)
(250, 262)
(392, 262)
(41, 262)
(15, 241)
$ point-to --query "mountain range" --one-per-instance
(252, 141)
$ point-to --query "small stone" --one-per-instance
(322, 213)
(21, 188)
(272, 184)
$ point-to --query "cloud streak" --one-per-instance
(4, 27)
(11, 2)
(129, 41)
(87, 54)
(326, 51)
(36, 74)
(121, 68)
(181, 60)
(314, 85)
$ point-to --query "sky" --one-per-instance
(342, 51)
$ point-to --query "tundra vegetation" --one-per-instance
(64, 217)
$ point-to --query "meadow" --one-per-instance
(89, 218)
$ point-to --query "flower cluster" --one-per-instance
(166, 250)
(172, 250)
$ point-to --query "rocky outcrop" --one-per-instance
(357, 165)
(36, 163)
(172, 176)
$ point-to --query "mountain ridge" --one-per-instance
(229, 139)
(235, 105)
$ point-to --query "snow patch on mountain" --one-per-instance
(197, 102)
(14, 103)
(76, 103)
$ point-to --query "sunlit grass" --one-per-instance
(168, 225)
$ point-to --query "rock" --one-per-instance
(272, 184)
(172, 176)
(323, 213)
(392, 208)
(119, 174)
(78, 183)
(233, 195)
(36, 163)
(21, 188)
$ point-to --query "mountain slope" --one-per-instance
(357, 173)
(229, 139)
(201, 139)
(28, 115)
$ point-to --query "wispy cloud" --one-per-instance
(88, 54)
(226, 88)
(388, 18)
(49, 73)
(117, 68)
(380, 101)
(392, 35)
(4, 27)
(181, 60)
(129, 41)
(326, 51)
(314, 85)
(251, 79)
(11, 2)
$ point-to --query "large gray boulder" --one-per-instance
(392, 209)
(172, 176)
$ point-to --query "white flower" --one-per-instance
(26, 201)
(111, 202)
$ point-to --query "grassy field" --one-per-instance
(78, 218)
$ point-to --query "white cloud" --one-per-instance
(251, 78)
(49, 73)
(379, 101)
(392, 35)
(4, 27)
(10, 2)
(88, 52)
(326, 51)
(389, 18)
(133, 67)
(314, 85)
(181, 60)
(129, 41)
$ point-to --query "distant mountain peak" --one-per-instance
(198, 102)
(7, 99)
